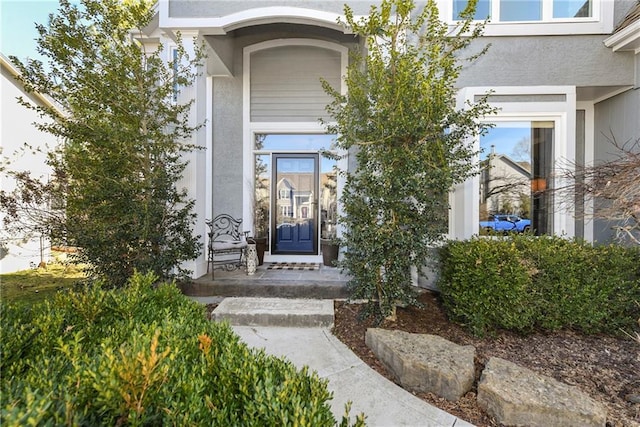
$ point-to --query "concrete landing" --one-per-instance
(301, 313)
(325, 283)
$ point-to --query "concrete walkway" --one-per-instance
(350, 379)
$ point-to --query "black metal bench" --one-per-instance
(227, 243)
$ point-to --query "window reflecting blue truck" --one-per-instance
(504, 223)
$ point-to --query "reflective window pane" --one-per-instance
(572, 8)
(516, 163)
(261, 197)
(520, 10)
(328, 198)
(483, 9)
(294, 142)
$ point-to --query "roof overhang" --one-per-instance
(627, 39)
(37, 97)
(214, 29)
(222, 25)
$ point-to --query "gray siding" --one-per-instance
(227, 145)
(552, 60)
(199, 8)
(617, 117)
(580, 155)
(285, 83)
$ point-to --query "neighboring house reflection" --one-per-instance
(504, 186)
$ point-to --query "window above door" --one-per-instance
(293, 142)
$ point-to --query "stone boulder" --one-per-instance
(425, 363)
(517, 396)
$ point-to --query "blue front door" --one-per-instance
(294, 204)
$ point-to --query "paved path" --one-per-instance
(350, 379)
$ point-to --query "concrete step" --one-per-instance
(284, 312)
(273, 289)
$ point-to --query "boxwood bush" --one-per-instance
(525, 283)
(144, 356)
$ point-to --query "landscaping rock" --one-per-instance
(425, 363)
(517, 396)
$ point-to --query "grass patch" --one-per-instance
(38, 284)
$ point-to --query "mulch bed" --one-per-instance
(605, 367)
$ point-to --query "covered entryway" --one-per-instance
(291, 190)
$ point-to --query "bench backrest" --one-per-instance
(224, 227)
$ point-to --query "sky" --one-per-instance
(18, 18)
(504, 138)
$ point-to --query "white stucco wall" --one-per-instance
(17, 130)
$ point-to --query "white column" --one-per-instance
(196, 172)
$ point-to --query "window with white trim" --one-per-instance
(527, 10)
(516, 170)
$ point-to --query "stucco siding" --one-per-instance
(227, 144)
(552, 60)
(199, 8)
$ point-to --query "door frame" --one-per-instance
(249, 177)
(314, 203)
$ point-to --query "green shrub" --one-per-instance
(144, 356)
(485, 285)
(523, 283)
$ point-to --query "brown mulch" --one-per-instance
(604, 367)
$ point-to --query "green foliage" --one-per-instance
(399, 120)
(36, 284)
(524, 283)
(114, 177)
(144, 356)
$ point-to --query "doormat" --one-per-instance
(293, 266)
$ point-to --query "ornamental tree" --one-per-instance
(123, 140)
(610, 186)
(411, 144)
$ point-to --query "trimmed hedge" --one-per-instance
(523, 282)
(144, 356)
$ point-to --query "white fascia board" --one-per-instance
(626, 39)
(258, 16)
(15, 73)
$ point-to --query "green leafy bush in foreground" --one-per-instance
(144, 356)
(523, 283)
